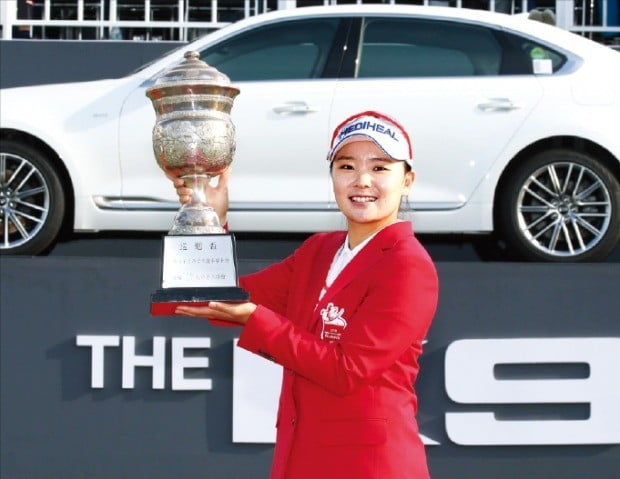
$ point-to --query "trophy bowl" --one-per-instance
(193, 136)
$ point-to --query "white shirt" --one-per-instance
(342, 258)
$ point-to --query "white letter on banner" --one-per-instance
(180, 363)
(97, 364)
(157, 361)
(469, 366)
(256, 387)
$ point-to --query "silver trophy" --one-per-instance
(194, 139)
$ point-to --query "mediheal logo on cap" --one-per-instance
(384, 131)
(367, 125)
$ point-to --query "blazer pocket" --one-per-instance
(353, 432)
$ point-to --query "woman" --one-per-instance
(345, 315)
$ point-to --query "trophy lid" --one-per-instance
(192, 71)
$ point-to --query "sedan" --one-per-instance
(515, 126)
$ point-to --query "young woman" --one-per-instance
(345, 315)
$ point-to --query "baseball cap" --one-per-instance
(385, 132)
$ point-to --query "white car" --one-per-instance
(515, 125)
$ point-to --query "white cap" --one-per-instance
(384, 131)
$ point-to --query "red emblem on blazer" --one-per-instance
(333, 322)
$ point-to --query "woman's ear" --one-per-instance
(409, 178)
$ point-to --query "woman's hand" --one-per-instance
(184, 193)
(217, 196)
(237, 313)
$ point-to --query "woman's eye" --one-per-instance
(381, 168)
(346, 167)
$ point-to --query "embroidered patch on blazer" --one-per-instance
(333, 322)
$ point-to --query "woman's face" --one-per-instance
(368, 185)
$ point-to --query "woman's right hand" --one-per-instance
(184, 192)
(217, 196)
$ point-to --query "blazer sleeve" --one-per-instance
(396, 312)
(270, 286)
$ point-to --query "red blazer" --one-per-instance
(347, 406)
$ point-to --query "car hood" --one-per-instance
(24, 107)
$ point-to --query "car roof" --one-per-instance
(562, 39)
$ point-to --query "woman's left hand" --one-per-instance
(232, 312)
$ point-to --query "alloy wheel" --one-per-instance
(564, 209)
(24, 200)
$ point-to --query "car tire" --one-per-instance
(32, 202)
(560, 206)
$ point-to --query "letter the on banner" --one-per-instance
(180, 363)
(97, 362)
(157, 362)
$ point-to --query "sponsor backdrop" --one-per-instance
(520, 377)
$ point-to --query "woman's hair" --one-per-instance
(405, 208)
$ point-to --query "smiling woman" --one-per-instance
(368, 188)
(371, 172)
(345, 315)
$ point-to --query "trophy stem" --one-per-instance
(197, 217)
(199, 185)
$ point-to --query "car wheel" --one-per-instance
(32, 204)
(561, 206)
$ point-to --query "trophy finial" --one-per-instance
(192, 55)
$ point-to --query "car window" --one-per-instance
(396, 47)
(527, 56)
(283, 51)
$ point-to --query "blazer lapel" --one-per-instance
(365, 259)
(325, 256)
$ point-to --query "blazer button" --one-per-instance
(293, 421)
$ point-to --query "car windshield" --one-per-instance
(149, 63)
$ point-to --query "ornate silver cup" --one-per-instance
(193, 137)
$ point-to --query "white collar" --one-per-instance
(347, 251)
(343, 257)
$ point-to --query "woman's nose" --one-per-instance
(363, 179)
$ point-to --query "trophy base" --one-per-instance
(165, 301)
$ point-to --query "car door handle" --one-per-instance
(498, 104)
(295, 108)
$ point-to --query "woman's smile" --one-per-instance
(363, 199)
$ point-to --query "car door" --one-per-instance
(286, 73)
(445, 82)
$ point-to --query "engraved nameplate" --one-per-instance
(200, 261)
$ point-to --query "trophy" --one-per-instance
(194, 139)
